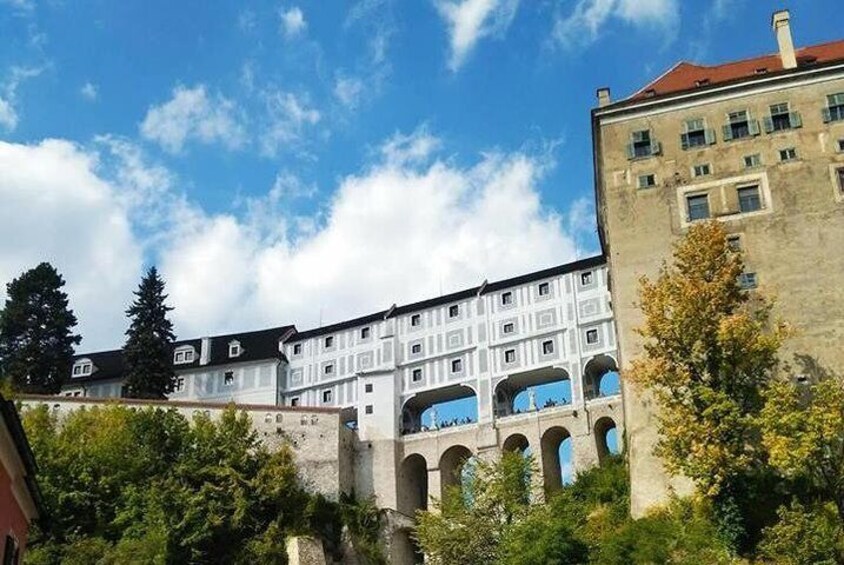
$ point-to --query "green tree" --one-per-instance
(148, 486)
(803, 432)
(148, 348)
(36, 332)
(709, 350)
(470, 521)
(805, 536)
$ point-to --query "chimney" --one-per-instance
(205, 351)
(603, 97)
(782, 27)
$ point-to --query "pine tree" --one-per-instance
(36, 332)
(149, 341)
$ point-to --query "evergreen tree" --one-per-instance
(36, 332)
(149, 341)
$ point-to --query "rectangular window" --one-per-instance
(647, 181)
(508, 328)
(698, 207)
(788, 154)
(642, 145)
(294, 401)
(328, 369)
(506, 298)
(416, 375)
(752, 161)
(367, 387)
(415, 320)
(77, 369)
(734, 242)
(368, 409)
(696, 134)
(297, 348)
(180, 384)
(749, 199)
(327, 395)
(544, 289)
(740, 125)
(782, 119)
(416, 348)
(180, 357)
(456, 365)
(591, 336)
(228, 378)
(453, 311)
(234, 349)
(547, 347)
(586, 278)
(510, 356)
(747, 280)
(329, 341)
(834, 112)
(365, 333)
(840, 174)
(702, 170)
(841, 145)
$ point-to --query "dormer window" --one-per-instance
(234, 349)
(83, 368)
(702, 82)
(183, 355)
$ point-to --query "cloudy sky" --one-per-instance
(291, 162)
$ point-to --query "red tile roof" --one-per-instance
(687, 76)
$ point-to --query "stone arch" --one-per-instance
(552, 471)
(452, 462)
(516, 442)
(509, 388)
(603, 426)
(414, 407)
(597, 371)
(413, 485)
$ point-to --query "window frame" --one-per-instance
(415, 320)
(453, 311)
(297, 349)
(414, 373)
(235, 349)
(548, 347)
(547, 289)
(328, 369)
(592, 332)
(509, 356)
(507, 298)
(587, 278)
(327, 396)
(708, 169)
(365, 332)
(760, 204)
(458, 363)
(328, 342)
(228, 378)
(179, 385)
(505, 325)
(645, 181)
(834, 110)
(368, 388)
(788, 154)
(415, 348)
(756, 159)
(689, 207)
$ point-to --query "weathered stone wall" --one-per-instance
(320, 443)
(792, 244)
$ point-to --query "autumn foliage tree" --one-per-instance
(710, 348)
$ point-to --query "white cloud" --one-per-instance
(405, 227)
(193, 114)
(57, 209)
(288, 116)
(348, 91)
(9, 117)
(396, 232)
(293, 22)
(89, 91)
(585, 23)
(469, 21)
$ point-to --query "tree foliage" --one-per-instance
(709, 351)
(36, 332)
(148, 348)
(468, 524)
(148, 486)
(805, 536)
(803, 432)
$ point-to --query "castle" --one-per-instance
(757, 144)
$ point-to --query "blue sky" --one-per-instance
(305, 161)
